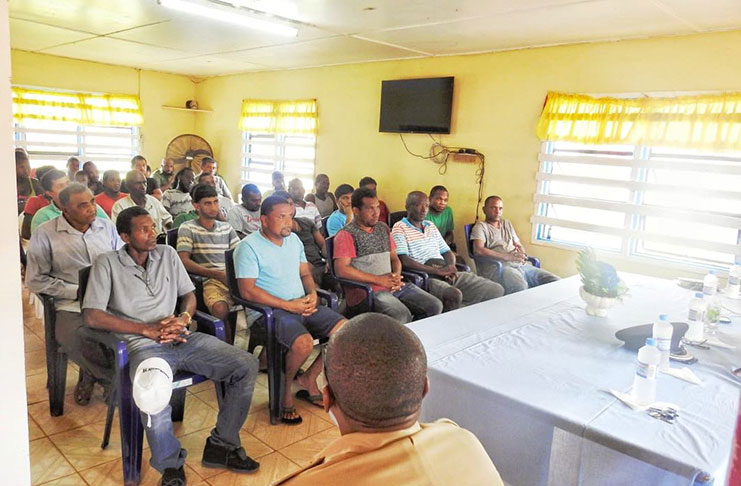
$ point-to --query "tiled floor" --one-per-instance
(65, 451)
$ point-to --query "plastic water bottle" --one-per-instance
(734, 282)
(712, 313)
(710, 283)
(644, 382)
(696, 319)
(662, 332)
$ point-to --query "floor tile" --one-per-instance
(47, 462)
(272, 467)
(34, 431)
(303, 451)
(279, 436)
(34, 324)
(204, 385)
(198, 416)
(36, 362)
(111, 474)
(262, 379)
(73, 480)
(36, 390)
(260, 398)
(74, 415)
(81, 446)
(31, 342)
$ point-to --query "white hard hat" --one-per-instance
(152, 386)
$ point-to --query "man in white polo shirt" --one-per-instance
(137, 186)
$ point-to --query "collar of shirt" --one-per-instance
(360, 442)
(63, 225)
(127, 261)
(425, 224)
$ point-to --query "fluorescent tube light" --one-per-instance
(223, 15)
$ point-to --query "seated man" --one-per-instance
(495, 238)
(165, 175)
(201, 246)
(153, 188)
(208, 166)
(323, 199)
(111, 191)
(26, 186)
(365, 252)
(376, 373)
(245, 217)
(177, 200)
(303, 209)
(73, 165)
(137, 184)
(81, 177)
(93, 182)
(370, 183)
(272, 270)
(59, 250)
(53, 182)
(34, 203)
(344, 214)
(225, 203)
(139, 164)
(420, 246)
(278, 182)
(441, 214)
(133, 293)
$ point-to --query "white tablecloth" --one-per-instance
(528, 374)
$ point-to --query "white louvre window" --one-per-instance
(53, 142)
(264, 153)
(662, 204)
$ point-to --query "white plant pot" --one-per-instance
(596, 306)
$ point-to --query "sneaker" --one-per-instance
(235, 460)
(173, 477)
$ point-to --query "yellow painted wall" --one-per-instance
(498, 98)
(154, 89)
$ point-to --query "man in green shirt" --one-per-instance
(441, 214)
(52, 211)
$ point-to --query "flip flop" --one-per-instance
(315, 400)
(290, 421)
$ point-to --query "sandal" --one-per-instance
(315, 400)
(295, 420)
(84, 388)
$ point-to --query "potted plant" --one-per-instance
(601, 286)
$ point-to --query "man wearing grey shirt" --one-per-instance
(59, 249)
(495, 239)
(133, 292)
(245, 217)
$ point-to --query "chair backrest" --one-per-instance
(325, 231)
(83, 277)
(329, 245)
(231, 274)
(172, 238)
(395, 217)
(469, 243)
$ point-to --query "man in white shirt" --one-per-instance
(137, 184)
(225, 203)
(208, 166)
(304, 209)
(245, 217)
(496, 239)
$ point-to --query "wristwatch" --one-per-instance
(186, 313)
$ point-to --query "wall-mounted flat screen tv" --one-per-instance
(416, 105)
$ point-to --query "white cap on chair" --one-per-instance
(152, 386)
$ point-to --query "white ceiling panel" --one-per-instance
(718, 15)
(321, 52)
(96, 16)
(607, 19)
(204, 66)
(198, 36)
(115, 51)
(31, 36)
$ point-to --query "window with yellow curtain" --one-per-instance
(54, 125)
(652, 179)
(278, 135)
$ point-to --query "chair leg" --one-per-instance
(177, 402)
(109, 418)
(132, 432)
(275, 372)
(57, 380)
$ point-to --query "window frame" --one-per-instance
(279, 158)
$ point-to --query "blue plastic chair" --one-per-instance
(132, 430)
(276, 352)
(469, 245)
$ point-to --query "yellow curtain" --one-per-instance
(295, 117)
(705, 122)
(81, 108)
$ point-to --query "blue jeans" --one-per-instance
(409, 302)
(208, 356)
(521, 277)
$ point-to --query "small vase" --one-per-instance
(596, 306)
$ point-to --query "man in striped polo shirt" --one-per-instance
(365, 252)
(201, 246)
(420, 246)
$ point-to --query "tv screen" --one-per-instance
(416, 105)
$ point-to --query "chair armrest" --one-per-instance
(462, 267)
(266, 311)
(197, 279)
(208, 324)
(414, 278)
(534, 260)
(420, 274)
(329, 298)
(359, 285)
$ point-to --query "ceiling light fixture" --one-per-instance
(232, 17)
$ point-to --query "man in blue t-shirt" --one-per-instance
(343, 215)
(272, 270)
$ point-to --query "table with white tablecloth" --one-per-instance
(528, 374)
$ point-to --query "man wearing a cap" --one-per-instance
(132, 293)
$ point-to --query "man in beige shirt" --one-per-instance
(376, 372)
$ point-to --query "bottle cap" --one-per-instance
(650, 342)
(663, 317)
(699, 295)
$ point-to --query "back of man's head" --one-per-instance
(377, 370)
(366, 180)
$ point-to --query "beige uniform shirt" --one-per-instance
(435, 454)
